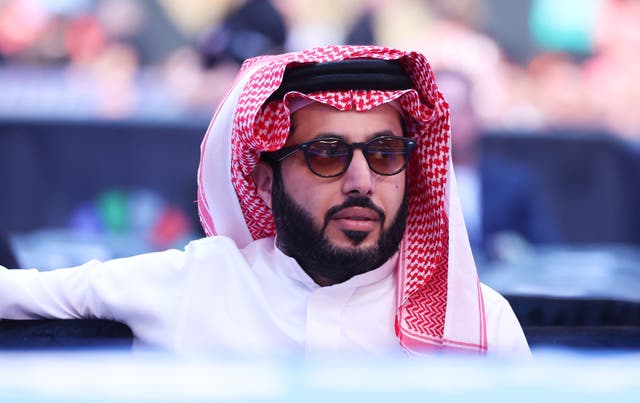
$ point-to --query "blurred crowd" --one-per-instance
(534, 64)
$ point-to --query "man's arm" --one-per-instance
(141, 291)
(30, 294)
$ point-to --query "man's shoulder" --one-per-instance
(211, 241)
(194, 251)
(220, 245)
(504, 333)
(497, 309)
(219, 258)
(491, 296)
(224, 241)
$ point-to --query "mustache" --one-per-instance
(357, 201)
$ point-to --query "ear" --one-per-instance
(263, 178)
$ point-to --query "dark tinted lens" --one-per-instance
(387, 155)
(327, 157)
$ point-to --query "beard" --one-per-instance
(299, 238)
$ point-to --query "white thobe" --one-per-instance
(215, 297)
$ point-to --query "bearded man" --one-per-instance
(326, 189)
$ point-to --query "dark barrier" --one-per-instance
(556, 322)
(578, 322)
(57, 334)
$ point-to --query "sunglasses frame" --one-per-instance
(285, 152)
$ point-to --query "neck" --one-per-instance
(321, 281)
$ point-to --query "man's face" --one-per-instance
(352, 217)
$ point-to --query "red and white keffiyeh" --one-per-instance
(440, 304)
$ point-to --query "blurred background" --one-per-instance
(103, 104)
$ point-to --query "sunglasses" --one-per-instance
(329, 157)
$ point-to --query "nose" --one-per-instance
(358, 179)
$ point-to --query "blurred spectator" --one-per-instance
(84, 39)
(558, 91)
(498, 197)
(116, 71)
(141, 25)
(610, 75)
(192, 17)
(255, 27)
(362, 31)
(21, 24)
(317, 23)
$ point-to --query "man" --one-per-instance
(335, 226)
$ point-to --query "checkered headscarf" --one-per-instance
(439, 304)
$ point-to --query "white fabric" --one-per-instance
(214, 297)
(464, 285)
(214, 172)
